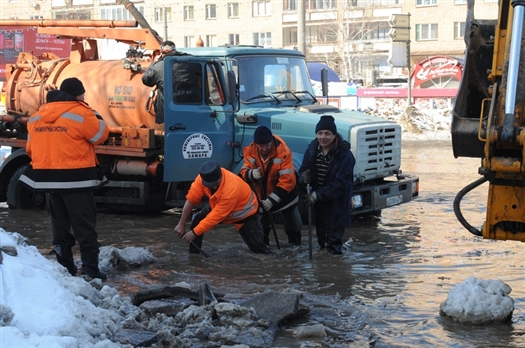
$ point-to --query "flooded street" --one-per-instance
(384, 291)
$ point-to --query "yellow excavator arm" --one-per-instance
(489, 118)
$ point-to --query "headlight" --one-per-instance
(357, 201)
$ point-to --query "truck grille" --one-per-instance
(377, 150)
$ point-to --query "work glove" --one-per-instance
(307, 177)
(256, 174)
(267, 204)
(311, 199)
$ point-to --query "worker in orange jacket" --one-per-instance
(231, 201)
(61, 141)
(268, 167)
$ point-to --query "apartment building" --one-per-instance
(352, 36)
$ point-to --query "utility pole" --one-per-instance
(301, 27)
(165, 25)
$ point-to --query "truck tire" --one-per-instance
(21, 197)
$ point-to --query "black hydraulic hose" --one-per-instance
(457, 209)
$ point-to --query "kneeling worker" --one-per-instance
(231, 201)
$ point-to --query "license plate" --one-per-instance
(390, 201)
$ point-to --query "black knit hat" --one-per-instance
(210, 173)
(326, 122)
(72, 86)
(167, 46)
(262, 135)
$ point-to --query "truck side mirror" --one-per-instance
(233, 98)
(324, 82)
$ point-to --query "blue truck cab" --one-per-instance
(243, 87)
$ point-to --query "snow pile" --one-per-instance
(479, 302)
(418, 123)
(42, 305)
(112, 259)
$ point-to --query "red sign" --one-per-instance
(403, 92)
(435, 68)
(14, 40)
(382, 92)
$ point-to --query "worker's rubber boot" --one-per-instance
(321, 237)
(89, 258)
(195, 247)
(334, 241)
(294, 239)
(65, 258)
(253, 235)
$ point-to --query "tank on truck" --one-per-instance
(31, 76)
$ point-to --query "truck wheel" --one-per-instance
(20, 197)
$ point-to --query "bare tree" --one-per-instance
(353, 33)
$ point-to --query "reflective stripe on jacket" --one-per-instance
(278, 173)
(61, 143)
(233, 201)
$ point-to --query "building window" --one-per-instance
(118, 13)
(289, 5)
(211, 11)
(460, 2)
(426, 32)
(161, 13)
(188, 13)
(372, 3)
(290, 36)
(233, 10)
(211, 40)
(319, 4)
(189, 41)
(459, 30)
(261, 8)
(262, 39)
(366, 31)
(326, 34)
(80, 14)
(426, 2)
(233, 39)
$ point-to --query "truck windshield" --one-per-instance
(263, 78)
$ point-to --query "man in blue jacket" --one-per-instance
(328, 165)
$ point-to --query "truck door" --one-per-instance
(198, 120)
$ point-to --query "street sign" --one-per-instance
(399, 21)
(397, 56)
(399, 34)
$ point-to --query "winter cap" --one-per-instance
(262, 135)
(326, 122)
(72, 86)
(210, 173)
(167, 46)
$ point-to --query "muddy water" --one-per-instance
(384, 291)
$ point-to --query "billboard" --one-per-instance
(14, 40)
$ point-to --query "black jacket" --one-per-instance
(334, 196)
(185, 85)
